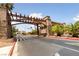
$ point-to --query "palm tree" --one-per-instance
(73, 30)
(76, 29)
(77, 25)
(9, 6)
(48, 18)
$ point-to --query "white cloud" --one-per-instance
(38, 15)
(14, 22)
(76, 18)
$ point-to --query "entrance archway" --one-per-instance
(7, 16)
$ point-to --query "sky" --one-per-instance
(59, 12)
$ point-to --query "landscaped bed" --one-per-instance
(5, 42)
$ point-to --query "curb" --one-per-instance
(11, 50)
(71, 38)
(66, 38)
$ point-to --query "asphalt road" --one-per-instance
(62, 42)
(40, 46)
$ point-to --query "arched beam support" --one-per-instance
(38, 30)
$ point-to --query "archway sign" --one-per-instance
(6, 16)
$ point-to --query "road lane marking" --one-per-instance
(66, 47)
(57, 54)
(74, 44)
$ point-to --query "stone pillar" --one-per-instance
(5, 24)
(47, 29)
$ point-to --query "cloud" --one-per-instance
(76, 18)
(13, 22)
(38, 15)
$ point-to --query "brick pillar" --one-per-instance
(5, 24)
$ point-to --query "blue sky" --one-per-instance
(63, 13)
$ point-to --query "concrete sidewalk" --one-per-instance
(4, 51)
(8, 50)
